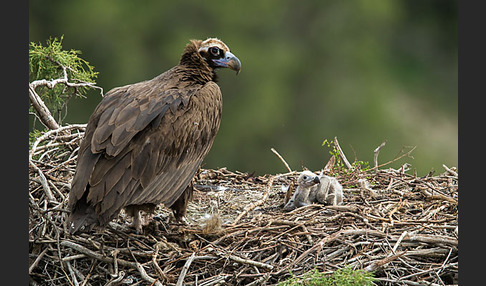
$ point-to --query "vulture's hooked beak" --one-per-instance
(229, 61)
(316, 180)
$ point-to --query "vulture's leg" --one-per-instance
(136, 212)
(138, 221)
(179, 207)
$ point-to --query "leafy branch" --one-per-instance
(55, 76)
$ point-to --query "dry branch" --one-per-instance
(243, 260)
(375, 155)
(341, 153)
(380, 263)
(188, 263)
(40, 107)
(281, 159)
(96, 255)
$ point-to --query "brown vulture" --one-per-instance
(145, 141)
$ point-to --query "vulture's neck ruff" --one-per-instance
(195, 64)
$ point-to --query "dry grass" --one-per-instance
(402, 227)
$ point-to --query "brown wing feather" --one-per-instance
(143, 144)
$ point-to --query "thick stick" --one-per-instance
(45, 115)
(186, 266)
(333, 237)
(96, 255)
(377, 264)
(244, 261)
(375, 155)
(341, 153)
(281, 159)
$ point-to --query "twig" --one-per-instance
(377, 264)
(408, 282)
(452, 172)
(395, 159)
(368, 233)
(257, 203)
(433, 239)
(244, 261)
(341, 153)
(281, 159)
(40, 107)
(73, 275)
(37, 260)
(333, 237)
(261, 280)
(156, 264)
(45, 115)
(145, 276)
(50, 133)
(399, 240)
(375, 155)
(45, 185)
(329, 165)
(186, 266)
(96, 255)
(117, 280)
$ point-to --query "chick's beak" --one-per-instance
(316, 180)
(229, 61)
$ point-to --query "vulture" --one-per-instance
(305, 182)
(312, 188)
(145, 141)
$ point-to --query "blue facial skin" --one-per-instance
(229, 61)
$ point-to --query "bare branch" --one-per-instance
(375, 155)
(281, 159)
(180, 281)
(45, 115)
(341, 153)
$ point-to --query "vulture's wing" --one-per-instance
(143, 144)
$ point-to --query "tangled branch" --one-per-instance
(40, 107)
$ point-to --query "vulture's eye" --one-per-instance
(214, 51)
(305, 178)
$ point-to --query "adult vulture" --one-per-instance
(145, 141)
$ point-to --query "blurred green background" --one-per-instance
(364, 71)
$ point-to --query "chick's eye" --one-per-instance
(305, 178)
(214, 51)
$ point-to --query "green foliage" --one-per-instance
(341, 277)
(33, 136)
(349, 277)
(48, 62)
(339, 164)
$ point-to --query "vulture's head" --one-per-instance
(218, 55)
(307, 179)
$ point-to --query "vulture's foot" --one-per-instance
(136, 212)
(182, 220)
(138, 222)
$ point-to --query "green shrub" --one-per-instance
(49, 63)
(341, 277)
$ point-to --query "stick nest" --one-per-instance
(402, 227)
